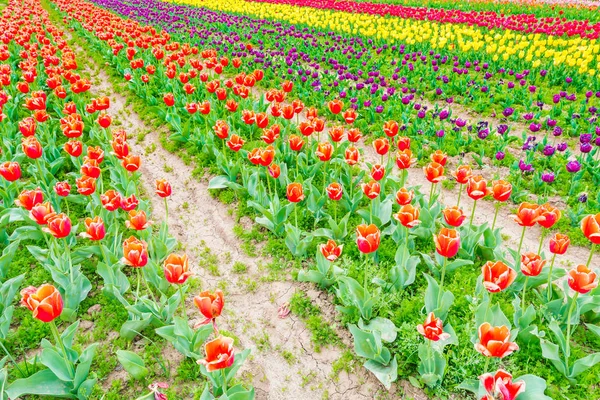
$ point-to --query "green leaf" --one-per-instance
(57, 364)
(384, 326)
(385, 373)
(132, 328)
(84, 363)
(534, 388)
(583, 364)
(132, 363)
(550, 352)
(42, 383)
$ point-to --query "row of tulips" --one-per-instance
(545, 162)
(323, 178)
(69, 190)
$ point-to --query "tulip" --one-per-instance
(404, 197)
(45, 302)
(367, 238)
(336, 134)
(111, 200)
(354, 135)
(497, 276)
(381, 146)
(500, 385)
(219, 354)
(371, 189)
(559, 244)
(501, 190)
(434, 172)
(73, 147)
(10, 170)
(62, 188)
(137, 220)
(495, 341)
(454, 216)
(531, 264)
(30, 198)
(377, 172)
(235, 142)
(433, 328)
(94, 229)
(330, 250)
(295, 193)
(582, 279)
(351, 155)
(163, 188)
(335, 106)
(41, 213)
(31, 147)
(210, 305)
(135, 252)
(86, 185)
(476, 189)
(90, 168)
(95, 153)
(408, 216)
(447, 242)
(58, 226)
(129, 203)
(131, 163)
(274, 170)
(324, 151)
(334, 191)
(176, 269)
(439, 157)
(390, 128)
(295, 142)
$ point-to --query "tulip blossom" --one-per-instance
(590, 227)
(367, 238)
(30, 198)
(41, 213)
(295, 194)
(330, 250)
(501, 190)
(219, 354)
(528, 214)
(94, 229)
(559, 244)
(137, 220)
(334, 191)
(163, 188)
(494, 341)
(477, 187)
(447, 242)
(408, 216)
(433, 329)
(371, 189)
(501, 385)
(45, 302)
(210, 305)
(10, 170)
(497, 276)
(58, 226)
(434, 172)
(135, 252)
(176, 269)
(531, 264)
(404, 197)
(454, 216)
(582, 279)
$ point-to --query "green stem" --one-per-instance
(365, 265)
(296, 214)
(67, 204)
(550, 277)
(518, 257)
(407, 236)
(12, 359)
(487, 363)
(472, 214)
(60, 343)
(496, 215)
(224, 380)
(523, 295)
(106, 260)
(431, 195)
(460, 190)
(148, 288)
(568, 344)
(181, 294)
(442, 281)
(166, 210)
(268, 184)
(542, 236)
(137, 290)
(589, 260)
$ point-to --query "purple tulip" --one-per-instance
(444, 114)
(585, 138)
(502, 129)
(561, 146)
(460, 123)
(585, 147)
(533, 127)
(573, 166)
(440, 133)
(548, 177)
(508, 111)
(549, 150)
(524, 167)
(500, 155)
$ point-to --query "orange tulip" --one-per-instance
(408, 216)
(163, 188)
(559, 244)
(90, 168)
(295, 193)
(111, 200)
(371, 189)
(381, 146)
(531, 264)
(45, 302)
(330, 250)
(31, 147)
(462, 174)
(439, 157)
(454, 216)
(86, 185)
(210, 305)
(404, 197)
(137, 220)
(477, 188)
(497, 276)
(354, 135)
(296, 142)
(377, 172)
(271, 134)
(501, 190)
(135, 252)
(447, 242)
(367, 238)
(403, 143)
(221, 129)
(582, 279)
(235, 142)
(306, 128)
(94, 229)
(129, 203)
(336, 133)
(404, 159)
(335, 191)
(266, 156)
(324, 151)
(551, 215)
(95, 153)
(350, 116)
(434, 172)
(494, 341)
(58, 226)
(433, 329)
(10, 170)
(590, 226)
(351, 155)
(219, 354)
(274, 170)
(73, 147)
(30, 198)
(176, 269)
(528, 214)
(131, 163)
(335, 106)
(390, 128)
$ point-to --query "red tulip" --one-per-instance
(62, 189)
(324, 151)
(137, 220)
(367, 238)
(434, 172)
(58, 226)
(404, 159)
(94, 229)
(219, 354)
(169, 99)
(129, 203)
(439, 157)
(501, 190)
(30, 198)
(371, 189)
(235, 142)
(531, 264)
(404, 197)
(433, 329)
(335, 106)
(41, 213)
(501, 384)
(582, 279)
(86, 185)
(551, 215)
(529, 214)
(10, 170)
(330, 250)
(296, 142)
(334, 191)
(590, 226)
(351, 155)
(295, 193)
(354, 135)
(111, 200)
(381, 146)
(390, 128)
(74, 148)
(447, 242)
(163, 188)
(210, 305)
(462, 174)
(31, 147)
(559, 244)
(336, 133)
(377, 172)
(408, 216)
(135, 252)
(454, 216)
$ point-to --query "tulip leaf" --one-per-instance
(132, 363)
(56, 363)
(84, 364)
(238, 392)
(43, 383)
(237, 364)
(583, 364)
(132, 328)
(550, 352)
(385, 373)
(534, 388)
(384, 326)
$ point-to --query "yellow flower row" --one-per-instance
(537, 49)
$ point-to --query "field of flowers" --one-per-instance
(280, 199)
